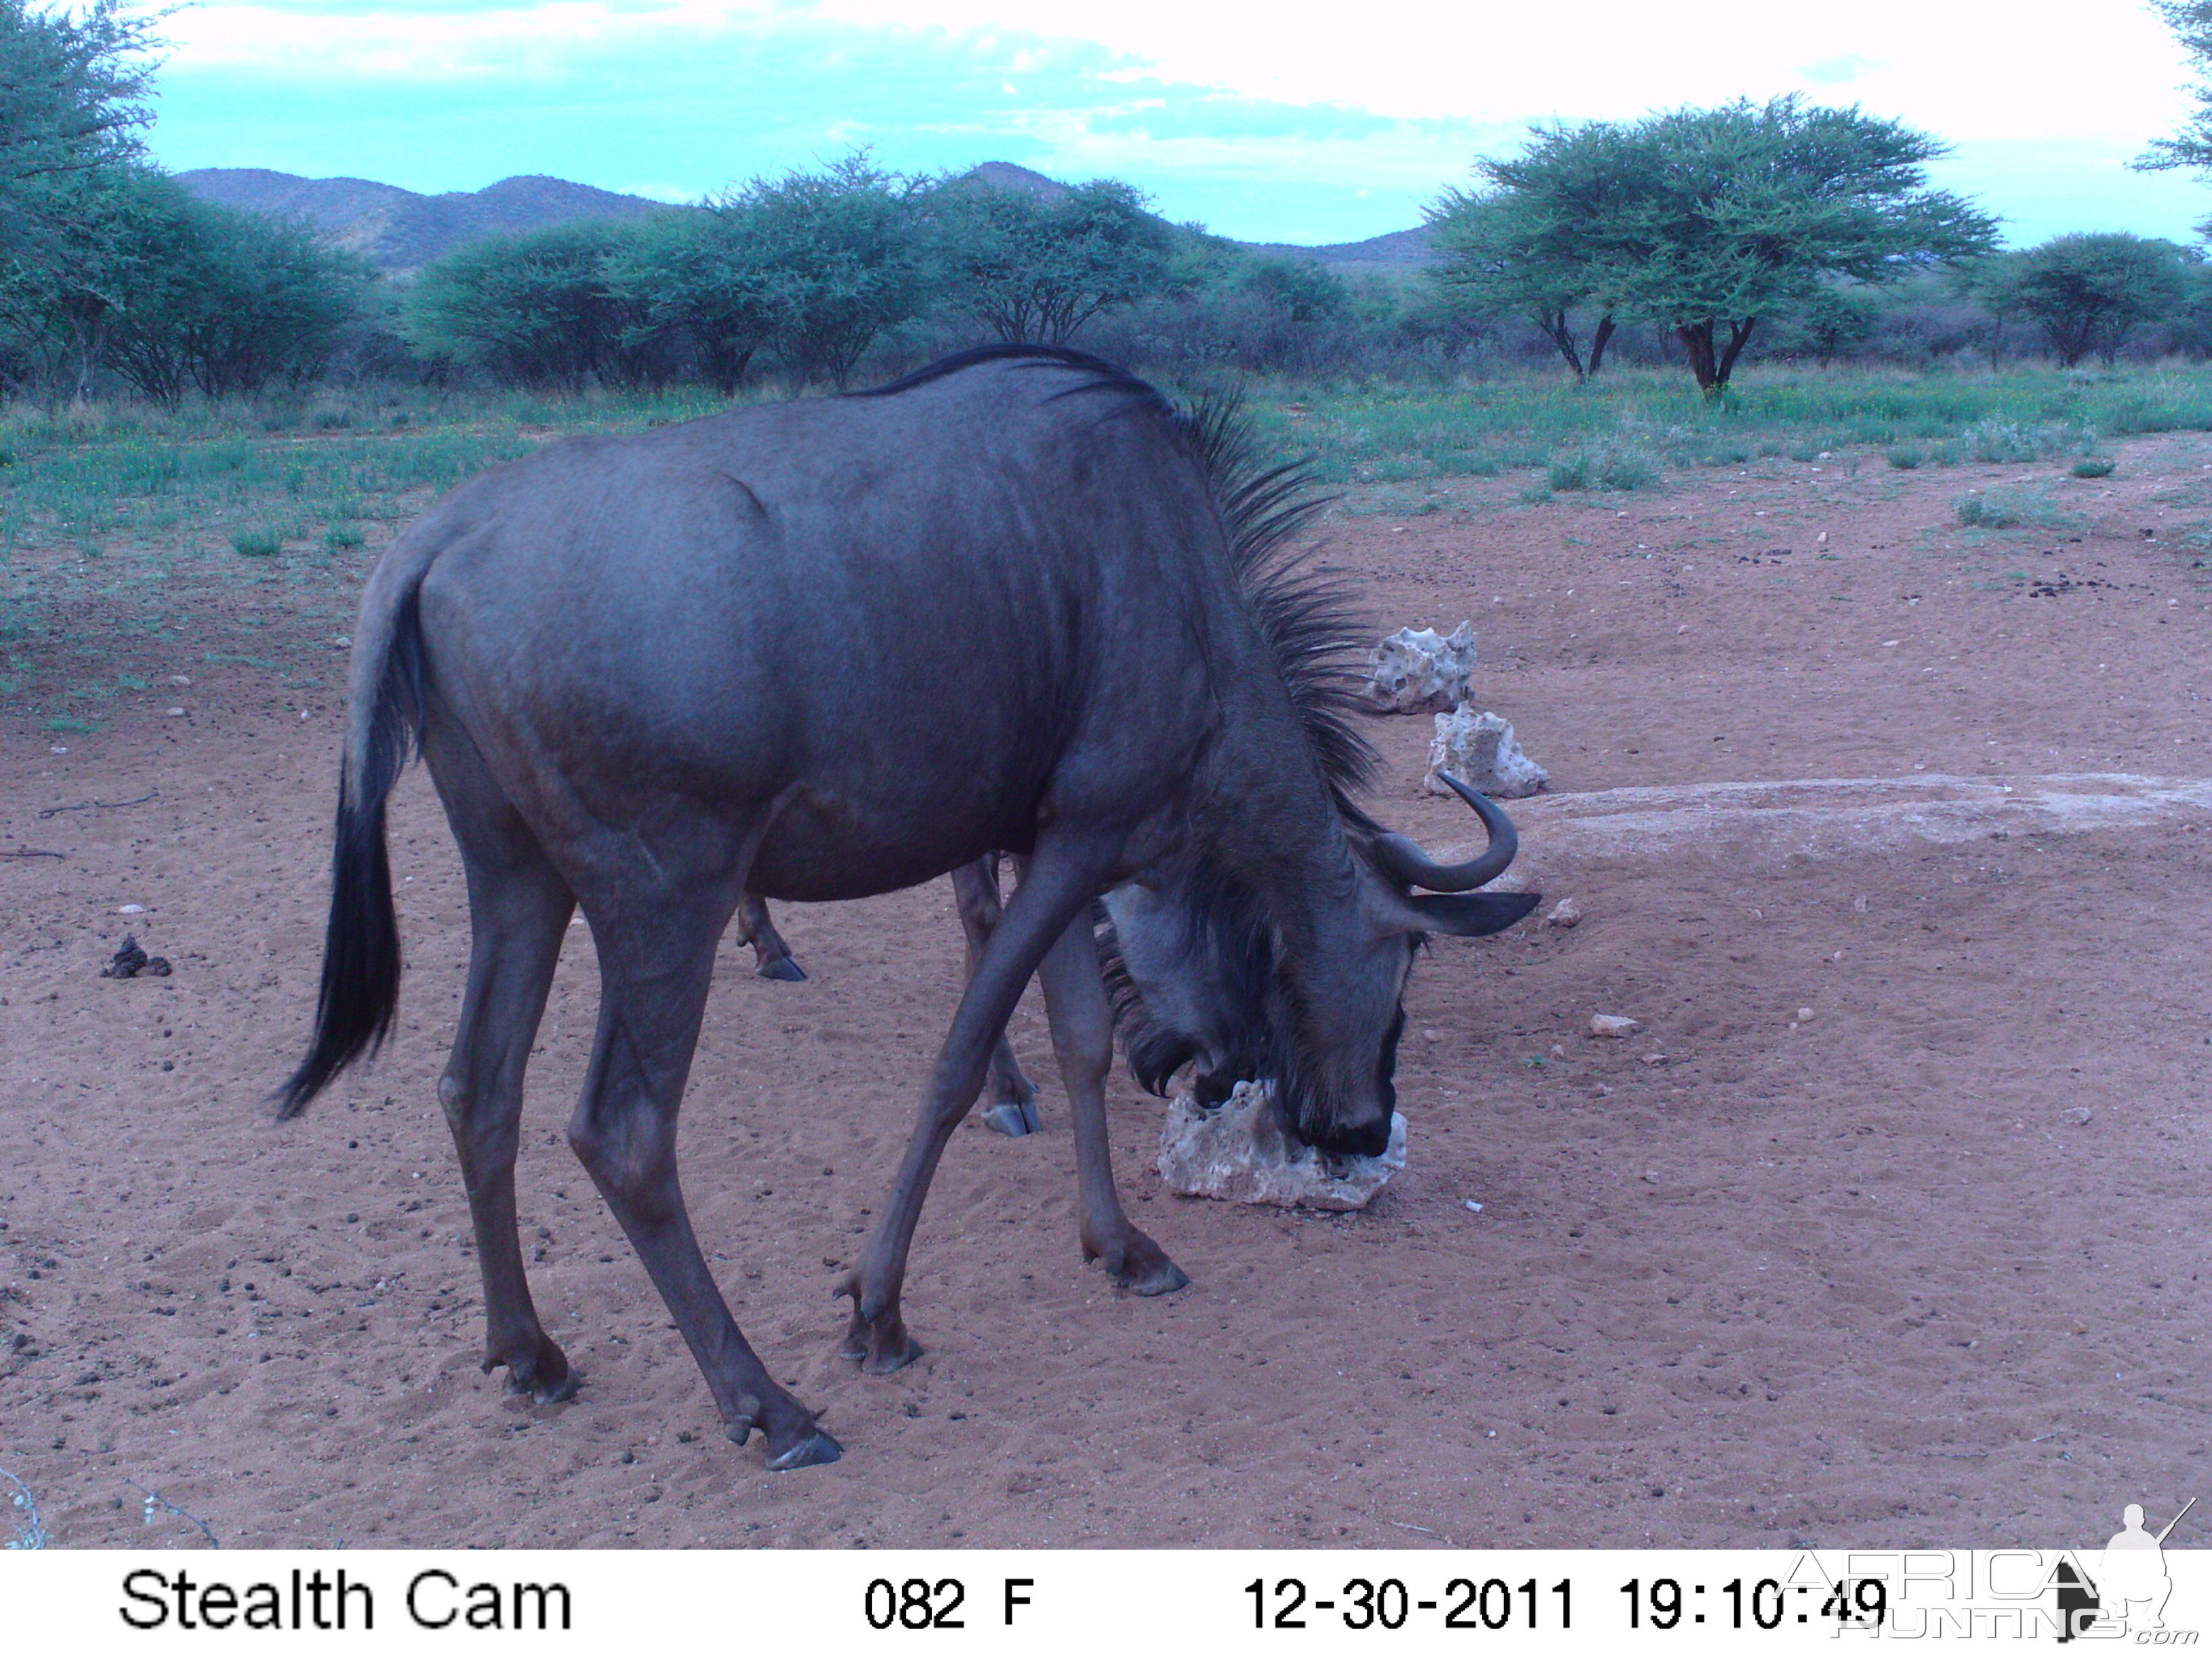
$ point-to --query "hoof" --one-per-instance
(879, 1353)
(783, 967)
(547, 1378)
(879, 1345)
(1011, 1120)
(816, 1448)
(1163, 1280)
(1139, 1266)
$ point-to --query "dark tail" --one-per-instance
(361, 947)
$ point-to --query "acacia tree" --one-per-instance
(222, 302)
(538, 308)
(2191, 23)
(73, 92)
(2089, 292)
(707, 277)
(1706, 221)
(844, 261)
(1514, 247)
(73, 89)
(1037, 269)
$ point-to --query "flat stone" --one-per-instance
(1612, 1025)
(1240, 1152)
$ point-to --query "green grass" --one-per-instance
(138, 514)
(1531, 422)
(2013, 509)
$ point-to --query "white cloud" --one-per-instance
(1305, 122)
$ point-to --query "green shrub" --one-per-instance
(2008, 509)
(257, 544)
(339, 537)
(1604, 465)
(2093, 467)
(1906, 457)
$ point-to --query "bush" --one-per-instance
(538, 309)
(1605, 465)
(1906, 457)
(2003, 442)
(2009, 509)
(2093, 467)
(257, 544)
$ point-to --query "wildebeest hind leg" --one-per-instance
(772, 958)
(519, 911)
(1064, 874)
(1082, 1040)
(1013, 1110)
(655, 961)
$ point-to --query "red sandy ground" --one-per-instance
(1863, 1282)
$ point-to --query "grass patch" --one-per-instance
(257, 544)
(1613, 465)
(2093, 467)
(2012, 508)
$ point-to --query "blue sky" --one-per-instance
(1323, 123)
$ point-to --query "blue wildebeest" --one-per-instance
(1082, 654)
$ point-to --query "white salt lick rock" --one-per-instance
(1420, 673)
(1480, 750)
(1239, 1151)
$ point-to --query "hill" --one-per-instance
(400, 231)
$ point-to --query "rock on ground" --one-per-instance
(1239, 1151)
(1422, 672)
(1480, 750)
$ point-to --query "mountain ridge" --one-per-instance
(400, 231)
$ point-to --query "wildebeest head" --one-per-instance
(1202, 976)
(1303, 988)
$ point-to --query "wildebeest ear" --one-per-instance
(1470, 915)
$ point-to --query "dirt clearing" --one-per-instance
(1888, 1226)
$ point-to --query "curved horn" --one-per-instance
(1402, 857)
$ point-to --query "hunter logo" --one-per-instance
(2129, 1594)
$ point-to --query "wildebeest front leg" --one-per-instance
(654, 974)
(1064, 874)
(1012, 1110)
(1082, 1040)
